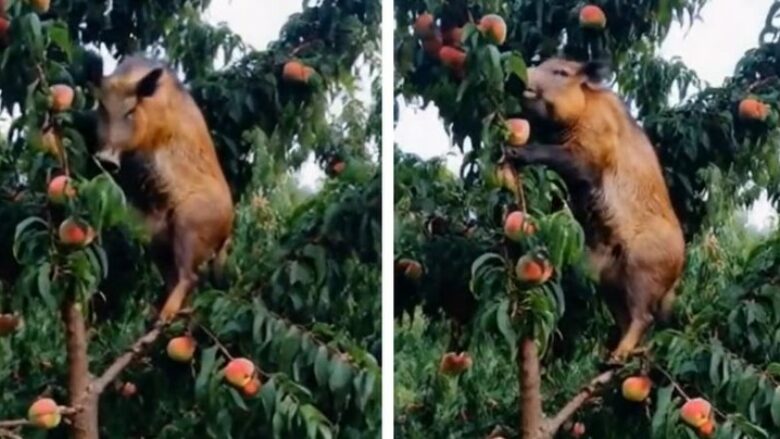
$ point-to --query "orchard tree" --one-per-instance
(490, 272)
(286, 346)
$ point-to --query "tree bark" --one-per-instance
(85, 420)
(531, 416)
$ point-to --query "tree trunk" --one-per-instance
(531, 416)
(85, 420)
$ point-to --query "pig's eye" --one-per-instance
(129, 114)
(561, 72)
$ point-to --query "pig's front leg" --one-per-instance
(556, 157)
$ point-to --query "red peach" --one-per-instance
(696, 412)
(44, 413)
(592, 17)
(637, 389)
(533, 270)
(453, 58)
(578, 429)
(432, 45)
(517, 226)
(455, 364)
(76, 233)
(753, 109)
(181, 349)
(424, 26)
(239, 372)
(8, 323)
(707, 430)
(128, 390)
(61, 97)
(295, 71)
(494, 27)
(453, 37)
(412, 269)
(41, 6)
(60, 189)
(519, 131)
(251, 388)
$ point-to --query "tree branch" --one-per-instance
(112, 372)
(85, 421)
(553, 424)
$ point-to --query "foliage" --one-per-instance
(304, 269)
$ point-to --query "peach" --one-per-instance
(412, 269)
(432, 45)
(533, 270)
(251, 388)
(696, 412)
(753, 109)
(578, 429)
(337, 167)
(455, 364)
(239, 372)
(128, 390)
(424, 26)
(453, 37)
(76, 233)
(592, 17)
(8, 323)
(637, 389)
(181, 349)
(707, 430)
(61, 97)
(295, 71)
(494, 27)
(44, 413)
(41, 6)
(453, 58)
(519, 131)
(60, 189)
(517, 226)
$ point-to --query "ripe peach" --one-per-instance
(696, 412)
(455, 364)
(753, 109)
(128, 390)
(494, 27)
(519, 131)
(453, 58)
(251, 388)
(453, 37)
(44, 413)
(60, 189)
(412, 269)
(76, 233)
(707, 430)
(41, 6)
(8, 323)
(337, 167)
(578, 429)
(592, 17)
(424, 26)
(239, 372)
(533, 270)
(181, 349)
(295, 71)
(61, 97)
(637, 389)
(517, 226)
(432, 45)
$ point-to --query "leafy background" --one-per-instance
(722, 343)
(303, 290)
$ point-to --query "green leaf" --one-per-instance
(515, 65)
(44, 285)
(238, 399)
(505, 325)
(340, 377)
(322, 366)
(207, 365)
(775, 407)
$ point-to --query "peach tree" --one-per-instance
(294, 328)
(489, 279)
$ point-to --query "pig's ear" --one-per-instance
(596, 73)
(148, 85)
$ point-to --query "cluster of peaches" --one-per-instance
(240, 373)
(40, 6)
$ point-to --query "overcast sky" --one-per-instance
(712, 47)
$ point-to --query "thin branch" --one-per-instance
(216, 342)
(555, 423)
(138, 348)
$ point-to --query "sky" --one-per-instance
(711, 47)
